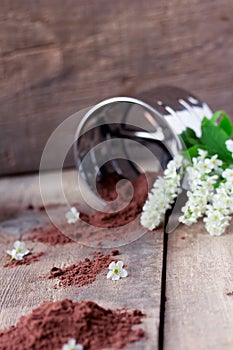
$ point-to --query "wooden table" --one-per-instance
(183, 282)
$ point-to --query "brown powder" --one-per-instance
(49, 235)
(131, 209)
(53, 323)
(121, 226)
(27, 260)
(93, 229)
(41, 208)
(84, 272)
(32, 207)
(229, 294)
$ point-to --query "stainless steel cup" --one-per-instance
(114, 135)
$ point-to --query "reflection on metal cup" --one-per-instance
(122, 134)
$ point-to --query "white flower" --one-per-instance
(72, 345)
(228, 175)
(202, 153)
(229, 146)
(214, 162)
(178, 161)
(72, 216)
(116, 271)
(19, 251)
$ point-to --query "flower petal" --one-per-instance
(25, 252)
(120, 264)
(115, 277)
(9, 252)
(112, 265)
(22, 245)
(74, 210)
(110, 274)
(229, 145)
(123, 273)
(72, 342)
(18, 256)
(17, 244)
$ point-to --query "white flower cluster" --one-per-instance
(202, 176)
(221, 206)
(210, 193)
(162, 195)
(204, 199)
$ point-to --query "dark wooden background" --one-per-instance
(59, 56)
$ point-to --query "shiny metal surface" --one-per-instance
(155, 119)
(118, 135)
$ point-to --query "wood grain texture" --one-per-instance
(199, 290)
(58, 57)
(24, 288)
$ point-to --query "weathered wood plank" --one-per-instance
(25, 287)
(56, 58)
(199, 288)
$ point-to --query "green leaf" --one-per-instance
(189, 137)
(224, 122)
(226, 125)
(214, 139)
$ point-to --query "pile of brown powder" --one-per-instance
(84, 272)
(27, 260)
(53, 323)
(49, 235)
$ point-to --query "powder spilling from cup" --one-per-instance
(118, 221)
(130, 196)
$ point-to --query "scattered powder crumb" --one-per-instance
(84, 272)
(27, 259)
(41, 208)
(32, 207)
(52, 324)
(49, 235)
(115, 252)
(229, 294)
